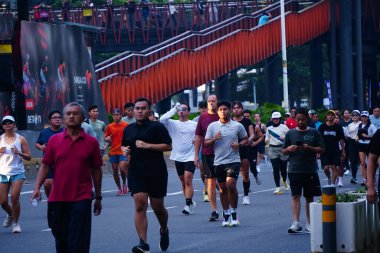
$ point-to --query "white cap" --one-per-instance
(156, 115)
(365, 113)
(356, 112)
(276, 115)
(9, 117)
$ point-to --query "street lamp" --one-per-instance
(284, 60)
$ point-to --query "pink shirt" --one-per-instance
(73, 161)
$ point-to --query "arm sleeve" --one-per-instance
(40, 139)
(209, 132)
(48, 157)
(164, 119)
(287, 140)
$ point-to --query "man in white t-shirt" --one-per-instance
(182, 132)
(227, 136)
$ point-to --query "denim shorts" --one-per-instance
(118, 158)
(10, 179)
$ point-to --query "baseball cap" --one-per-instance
(276, 115)
(156, 115)
(9, 118)
(311, 112)
(365, 113)
(116, 111)
(355, 112)
(287, 114)
(331, 111)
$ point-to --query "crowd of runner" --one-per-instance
(224, 141)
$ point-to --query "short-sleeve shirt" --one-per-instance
(128, 119)
(374, 147)
(99, 128)
(231, 132)
(146, 162)
(246, 123)
(116, 132)
(331, 137)
(375, 121)
(45, 135)
(303, 162)
(203, 122)
(73, 162)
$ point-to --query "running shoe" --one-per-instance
(364, 182)
(295, 228)
(214, 216)
(258, 181)
(340, 182)
(205, 197)
(285, 184)
(234, 220)
(354, 181)
(16, 228)
(347, 172)
(164, 240)
(278, 191)
(189, 209)
(142, 247)
(226, 219)
(8, 221)
(307, 228)
(125, 190)
(258, 168)
(119, 193)
(246, 200)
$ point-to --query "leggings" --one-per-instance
(354, 157)
(279, 166)
(252, 158)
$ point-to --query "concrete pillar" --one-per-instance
(332, 56)
(347, 98)
(358, 49)
(316, 73)
(272, 71)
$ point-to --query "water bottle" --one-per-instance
(35, 202)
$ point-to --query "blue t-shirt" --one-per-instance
(45, 135)
(375, 121)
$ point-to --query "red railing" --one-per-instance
(184, 68)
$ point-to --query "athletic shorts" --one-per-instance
(227, 170)
(276, 152)
(307, 183)
(155, 186)
(261, 147)
(330, 159)
(10, 179)
(252, 153)
(243, 152)
(181, 167)
(118, 158)
(208, 166)
(364, 148)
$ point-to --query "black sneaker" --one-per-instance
(354, 181)
(142, 247)
(164, 240)
(214, 216)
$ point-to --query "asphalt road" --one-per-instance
(263, 227)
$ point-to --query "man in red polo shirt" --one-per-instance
(77, 163)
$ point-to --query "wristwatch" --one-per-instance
(99, 197)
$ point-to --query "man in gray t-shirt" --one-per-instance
(227, 136)
(302, 144)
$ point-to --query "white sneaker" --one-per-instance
(246, 200)
(234, 220)
(226, 219)
(189, 209)
(278, 191)
(295, 228)
(16, 228)
(8, 221)
(347, 172)
(258, 168)
(307, 228)
(340, 182)
(285, 185)
(258, 181)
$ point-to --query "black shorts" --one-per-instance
(155, 186)
(364, 148)
(330, 159)
(252, 153)
(243, 152)
(208, 166)
(261, 147)
(307, 183)
(227, 170)
(181, 167)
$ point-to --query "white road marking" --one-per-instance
(46, 230)
(168, 207)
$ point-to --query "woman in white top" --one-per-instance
(275, 135)
(365, 132)
(353, 144)
(13, 148)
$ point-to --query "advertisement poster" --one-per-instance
(57, 69)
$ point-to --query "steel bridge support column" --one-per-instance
(332, 56)
(272, 70)
(359, 57)
(316, 73)
(223, 88)
(163, 106)
(347, 98)
(371, 75)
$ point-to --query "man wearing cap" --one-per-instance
(13, 148)
(182, 132)
(310, 119)
(333, 135)
(114, 135)
(129, 114)
(353, 139)
(77, 170)
(275, 135)
(289, 121)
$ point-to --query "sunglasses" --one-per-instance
(130, 109)
(183, 109)
(7, 122)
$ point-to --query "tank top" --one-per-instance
(10, 163)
